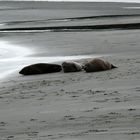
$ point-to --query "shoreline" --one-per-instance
(126, 26)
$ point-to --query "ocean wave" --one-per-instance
(124, 26)
(9, 51)
(135, 8)
(11, 57)
(2, 24)
(70, 19)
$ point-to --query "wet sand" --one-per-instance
(73, 106)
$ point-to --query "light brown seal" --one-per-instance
(71, 66)
(40, 68)
(98, 65)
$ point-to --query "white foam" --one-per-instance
(9, 56)
(8, 50)
(131, 8)
(26, 31)
(2, 24)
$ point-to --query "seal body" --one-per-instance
(40, 68)
(98, 65)
(71, 66)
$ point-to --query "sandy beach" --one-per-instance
(69, 106)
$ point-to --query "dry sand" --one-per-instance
(75, 106)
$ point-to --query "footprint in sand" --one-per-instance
(69, 117)
(2, 124)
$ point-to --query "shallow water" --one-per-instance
(9, 51)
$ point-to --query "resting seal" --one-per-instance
(40, 68)
(98, 65)
(71, 66)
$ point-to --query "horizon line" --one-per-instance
(117, 1)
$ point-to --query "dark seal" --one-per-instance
(40, 68)
(71, 66)
(98, 65)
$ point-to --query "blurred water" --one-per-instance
(9, 55)
(132, 7)
(137, 1)
(133, 1)
(9, 51)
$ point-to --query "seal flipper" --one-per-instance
(113, 67)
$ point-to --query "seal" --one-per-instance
(71, 66)
(40, 68)
(98, 65)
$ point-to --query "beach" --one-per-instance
(69, 106)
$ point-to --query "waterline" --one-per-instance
(10, 51)
(9, 57)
